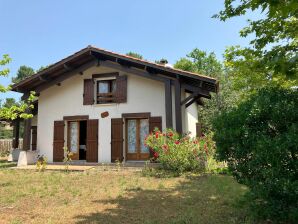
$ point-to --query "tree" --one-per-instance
(9, 102)
(201, 62)
(259, 140)
(272, 55)
(42, 68)
(21, 110)
(134, 55)
(22, 73)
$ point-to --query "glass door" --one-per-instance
(136, 131)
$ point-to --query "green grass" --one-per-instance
(6, 164)
(118, 197)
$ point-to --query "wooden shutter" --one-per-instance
(34, 137)
(88, 96)
(58, 143)
(154, 122)
(92, 140)
(121, 89)
(117, 139)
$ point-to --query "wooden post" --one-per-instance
(16, 134)
(178, 112)
(27, 134)
(168, 100)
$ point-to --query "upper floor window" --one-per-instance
(105, 88)
(106, 91)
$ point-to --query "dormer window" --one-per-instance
(106, 91)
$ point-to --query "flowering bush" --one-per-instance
(178, 153)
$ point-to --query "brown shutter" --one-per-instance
(198, 130)
(58, 143)
(92, 141)
(154, 122)
(117, 139)
(88, 96)
(34, 137)
(121, 89)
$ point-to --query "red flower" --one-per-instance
(195, 142)
(156, 135)
(170, 134)
(155, 155)
(177, 142)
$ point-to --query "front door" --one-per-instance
(136, 131)
(73, 138)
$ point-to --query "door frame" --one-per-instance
(138, 155)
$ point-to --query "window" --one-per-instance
(106, 91)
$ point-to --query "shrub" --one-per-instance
(67, 158)
(41, 163)
(176, 153)
(259, 140)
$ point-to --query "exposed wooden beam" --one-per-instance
(192, 101)
(168, 100)
(188, 98)
(178, 112)
(202, 92)
(66, 75)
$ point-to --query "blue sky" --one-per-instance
(41, 32)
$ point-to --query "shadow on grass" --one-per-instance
(6, 164)
(206, 199)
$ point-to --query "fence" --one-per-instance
(6, 145)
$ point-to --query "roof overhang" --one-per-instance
(90, 56)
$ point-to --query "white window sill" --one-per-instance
(105, 104)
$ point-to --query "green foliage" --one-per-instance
(207, 64)
(201, 62)
(12, 112)
(272, 54)
(259, 141)
(67, 158)
(134, 55)
(41, 163)
(178, 153)
(5, 134)
(9, 102)
(4, 72)
(22, 73)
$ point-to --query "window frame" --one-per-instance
(110, 94)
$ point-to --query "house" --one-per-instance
(102, 104)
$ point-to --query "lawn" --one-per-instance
(117, 197)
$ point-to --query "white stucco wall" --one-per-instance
(143, 95)
(191, 118)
